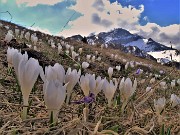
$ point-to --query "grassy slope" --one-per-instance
(70, 117)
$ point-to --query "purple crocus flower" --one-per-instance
(87, 99)
(138, 71)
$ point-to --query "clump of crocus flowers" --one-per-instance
(59, 83)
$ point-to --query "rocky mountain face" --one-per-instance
(126, 41)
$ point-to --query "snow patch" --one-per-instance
(167, 54)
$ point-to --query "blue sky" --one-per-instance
(162, 12)
(158, 19)
(51, 17)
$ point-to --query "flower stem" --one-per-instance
(25, 108)
(53, 116)
(68, 98)
(86, 113)
(123, 106)
(24, 113)
(109, 103)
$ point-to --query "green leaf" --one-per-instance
(118, 99)
(51, 118)
(114, 128)
(162, 130)
(168, 131)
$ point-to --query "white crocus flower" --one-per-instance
(72, 48)
(102, 46)
(53, 45)
(80, 50)
(54, 96)
(17, 32)
(92, 82)
(178, 81)
(29, 45)
(118, 68)
(67, 52)
(127, 65)
(112, 56)
(10, 55)
(93, 58)
(161, 72)
(74, 54)
(22, 35)
(110, 72)
(27, 36)
(85, 84)
(159, 105)
(7, 27)
(34, 39)
(88, 57)
(142, 81)
(99, 58)
(54, 91)
(163, 85)
(148, 89)
(127, 89)
(56, 72)
(150, 74)
(35, 48)
(152, 80)
(28, 71)
(16, 60)
(72, 77)
(157, 76)
(115, 56)
(96, 52)
(85, 65)
(1, 25)
(109, 89)
(124, 60)
(131, 64)
(173, 84)
(8, 37)
(99, 86)
(67, 47)
(175, 100)
(59, 49)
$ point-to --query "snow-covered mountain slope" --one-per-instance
(166, 55)
(123, 37)
(130, 43)
(118, 36)
(148, 45)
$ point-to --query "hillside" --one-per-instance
(140, 115)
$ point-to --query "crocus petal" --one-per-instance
(16, 60)
(28, 73)
(54, 94)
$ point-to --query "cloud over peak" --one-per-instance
(101, 15)
(99, 5)
(96, 19)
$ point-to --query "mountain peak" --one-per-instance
(150, 40)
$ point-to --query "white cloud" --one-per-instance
(43, 30)
(101, 18)
(107, 16)
(161, 34)
(36, 2)
(3, 1)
